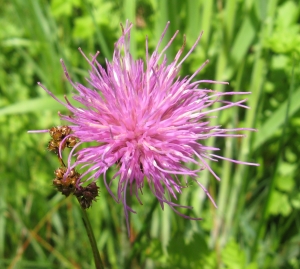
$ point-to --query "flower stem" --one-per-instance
(89, 230)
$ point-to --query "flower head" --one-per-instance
(146, 121)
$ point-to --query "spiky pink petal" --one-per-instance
(146, 121)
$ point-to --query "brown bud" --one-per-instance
(71, 141)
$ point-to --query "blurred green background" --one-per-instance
(253, 44)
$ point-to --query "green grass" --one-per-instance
(252, 44)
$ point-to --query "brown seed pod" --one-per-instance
(53, 145)
(59, 173)
(65, 185)
(58, 134)
(65, 130)
(53, 131)
(71, 141)
(86, 195)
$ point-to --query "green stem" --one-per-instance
(89, 230)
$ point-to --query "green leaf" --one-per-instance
(279, 204)
(252, 266)
(34, 105)
(295, 201)
(285, 183)
(272, 124)
(63, 8)
(288, 14)
(232, 256)
(186, 254)
(242, 42)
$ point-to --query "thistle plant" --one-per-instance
(145, 121)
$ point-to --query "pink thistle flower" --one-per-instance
(147, 122)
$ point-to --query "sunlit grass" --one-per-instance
(248, 44)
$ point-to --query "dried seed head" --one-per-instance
(65, 183)
(59, 173)
(71, 141)
(58, 135)
(53, 146)
(86, 195)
